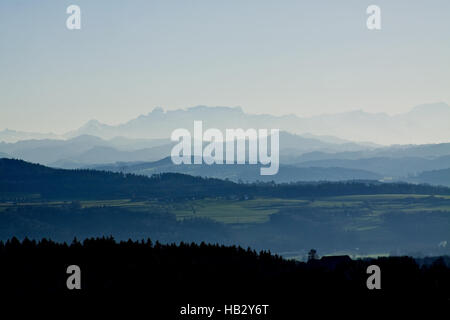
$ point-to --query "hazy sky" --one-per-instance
(278, 57)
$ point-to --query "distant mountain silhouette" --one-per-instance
(426, 151)
(302, 159)
(104, 154)
(86, 150)
(396, 162)
(8, 135)
(411, 127)
(49, 150)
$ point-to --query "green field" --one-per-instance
(258, 210)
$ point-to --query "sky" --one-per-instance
(277, 57)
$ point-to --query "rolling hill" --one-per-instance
(387, 167)
(247, 173)
(359, 217)
(20, 178)
(434, 177)
(87, 150)
(83, 150)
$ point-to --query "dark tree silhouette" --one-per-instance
(312, 255)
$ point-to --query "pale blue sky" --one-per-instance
(278, 57)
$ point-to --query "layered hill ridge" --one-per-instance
(412, 127)
(20, 177)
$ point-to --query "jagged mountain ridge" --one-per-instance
(412, 127)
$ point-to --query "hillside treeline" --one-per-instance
(18, 178)
(171, 275)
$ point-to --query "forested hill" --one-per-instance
(20, 177)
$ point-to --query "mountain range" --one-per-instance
(423, 124)
(321, 152)
(413, 127)
(407, 169)
(301, 159)
(87, 150)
